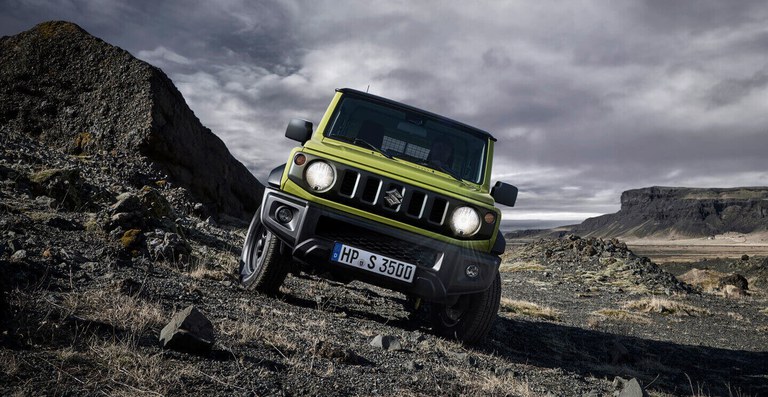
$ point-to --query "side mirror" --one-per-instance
(504, 193)
(299, 130)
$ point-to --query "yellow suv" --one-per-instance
(391, 195)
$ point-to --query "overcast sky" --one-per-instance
(586, 98)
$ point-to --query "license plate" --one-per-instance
(373, 262)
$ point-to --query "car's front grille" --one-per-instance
(392, 199)
(369, 240)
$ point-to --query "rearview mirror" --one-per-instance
(504, 193)
(299, 130)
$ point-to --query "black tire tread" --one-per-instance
(274, 272)
(276, 265)
(480, 316)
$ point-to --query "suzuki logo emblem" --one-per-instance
(393, 198)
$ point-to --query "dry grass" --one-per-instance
(201, 273)
(707, 280)
(521, 266)
(133, 372)
(8, 363)
(529, 309)
(114, 308)
(211, 264)
(764, 311)
(622, 315)
(480, 383)
(665, 306)
(253, 324)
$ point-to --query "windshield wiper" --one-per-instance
(440, 167)
(371, 146)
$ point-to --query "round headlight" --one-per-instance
(319, 176)
(465, 222)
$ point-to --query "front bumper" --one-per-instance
(313, 230)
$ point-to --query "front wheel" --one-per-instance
(471, 317)
(262, 267)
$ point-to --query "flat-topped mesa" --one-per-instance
(679, 211)
(78, 93)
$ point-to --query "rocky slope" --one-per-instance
(691, 212)
(68, 89)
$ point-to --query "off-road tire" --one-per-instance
(469, 319)
(262, 267)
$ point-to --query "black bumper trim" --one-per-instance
(434, 282)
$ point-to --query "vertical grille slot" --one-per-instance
(371, 190)
(438, 211)
(349, 183)
(416, 205)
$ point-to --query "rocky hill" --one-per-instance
(72, 91)
(676, 211)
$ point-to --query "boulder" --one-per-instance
(386, 342)
(171, 247)
(618, 354)
(63, 185)
(78, 94)
(734, 292)
(189, 331)
(736, 280)
(628, 388)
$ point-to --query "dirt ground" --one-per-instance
(570, 323)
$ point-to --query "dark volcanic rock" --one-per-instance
(75, 92)
(683, 211)
(190, 331)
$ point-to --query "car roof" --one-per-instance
(376, 98)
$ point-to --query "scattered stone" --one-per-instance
(413, 366)
(386, 342)
(131, 239)
(132, 287)
(418, 337)
(332, 351)
(618, 354)
(154, 203)
(63, 224)
(736, 280)
(170, 248)
(62, 184)
(745, 257)
(126, 202)
(463, 356)
(189, 331)
(732, 291)
(19, 256)
(628, 388)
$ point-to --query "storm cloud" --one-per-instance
(587, 99)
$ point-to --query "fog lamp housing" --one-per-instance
(284, 215)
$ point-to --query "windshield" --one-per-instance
(410, 136)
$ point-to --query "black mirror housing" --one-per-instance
(504, 193)
(299, 130)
